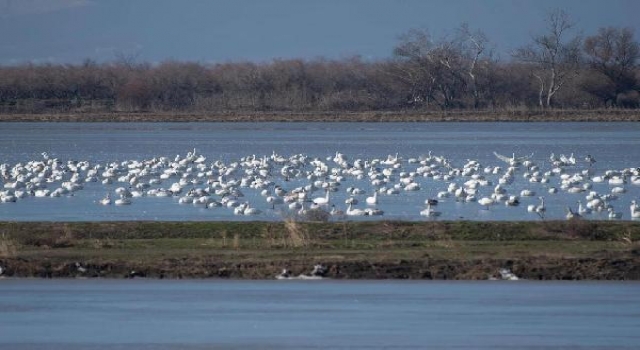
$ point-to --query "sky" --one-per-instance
(216, 31)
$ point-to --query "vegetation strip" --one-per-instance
(577, 115)
(573, 249)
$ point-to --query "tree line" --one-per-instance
(558, 68)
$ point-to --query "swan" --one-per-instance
(540, 208)
(486, 202)
(354, 212)
(122, 201)
(373, 211)
(513, 160)
(373, 199)
(431, 201)
(274, 200)
(322, 200)
(512, 201)
(582, 210)
(616, 180)
(635, 210)
(527, 193)
(335, 211)
(429, 212)
(572, 215)
(351, 200)
(613, 214)
(106, 200)
(248, 210)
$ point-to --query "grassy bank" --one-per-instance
(417, 250)
(366, 116)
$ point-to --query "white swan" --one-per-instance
(322, 200)
(486, 202)
(373, 199)
(122, 201)
(527, 193)
(248, 210)
(635, 210)
(582, 210)
(572, 215)
(540, 208)
(512, 201)
(106, 200)
(354, 212)
(613, 214)
(429, 212)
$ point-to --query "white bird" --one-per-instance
(322, 200)
(429, 212)
(582, 210)
(354, 212)
(486, 202)
(635, 210)
(613, 214)
(122, 201)
(106, 200)
(572, 215)
(540, 208)
(373, 199)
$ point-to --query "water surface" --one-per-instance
(615, 146)
(156, 314)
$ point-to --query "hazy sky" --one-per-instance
(68, 31)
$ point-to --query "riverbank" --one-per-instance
(571, 250)
(607, 115)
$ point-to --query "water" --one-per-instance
(615, 146)
(161, 314)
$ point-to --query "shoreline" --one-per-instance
(553, 250)
(365, 116)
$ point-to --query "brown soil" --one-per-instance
(371, 250)
(368, 116)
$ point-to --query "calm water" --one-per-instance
(615, 146)
(154, 314)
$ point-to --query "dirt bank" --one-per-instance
(350, 250)
(607, 115)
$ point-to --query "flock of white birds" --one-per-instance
(300, 183)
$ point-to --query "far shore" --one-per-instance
(556, 115)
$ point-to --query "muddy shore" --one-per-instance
(606, 115)
(371, 250)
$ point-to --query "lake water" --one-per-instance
(192, 314)
(615, 146)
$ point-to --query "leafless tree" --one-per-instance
(612, 55)
(554, 57)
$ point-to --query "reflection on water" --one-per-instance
(153, 314)
(613, 145)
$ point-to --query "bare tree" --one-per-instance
(474, 47)
(555, 58)
(613, 56)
